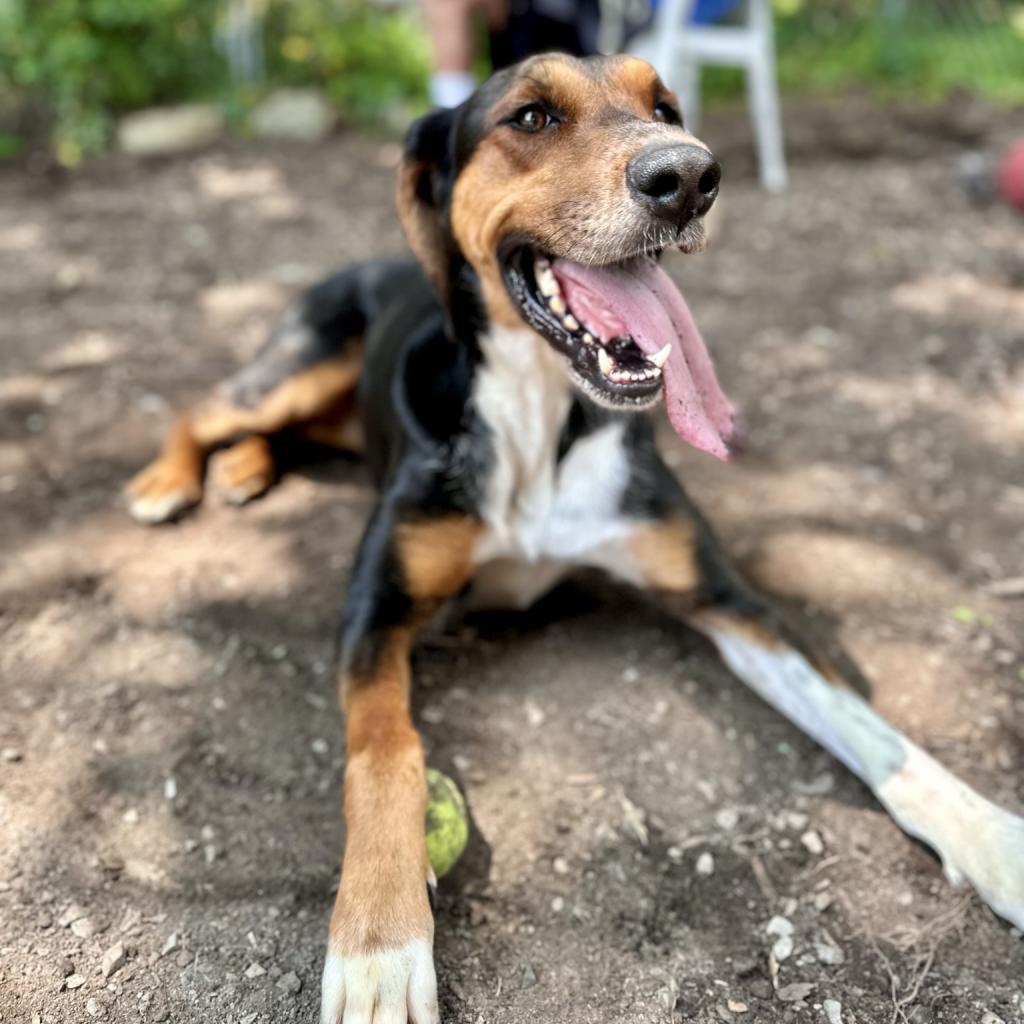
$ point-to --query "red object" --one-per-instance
(1011, 176)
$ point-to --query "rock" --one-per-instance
(818, 786)
(298, 114)
(113, 960)
(72, 914)
(83, 928)
(705, 864)
(812, 842)
(94, 1008)
(829, 954)
(254, 970)
(990, 1018)
(11, 755)
(163, 130)
(833, 1011)
(529, 976)
(727, 818)
(170, 945)
(290, 983)
(736, 1006)
(796, 992)
(74, 981)
(781, 927)
(184, 958)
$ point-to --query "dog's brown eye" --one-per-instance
(532, 118)
(665, 113)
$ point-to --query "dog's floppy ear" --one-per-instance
(424, 190)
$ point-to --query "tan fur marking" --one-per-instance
(308, 394)
(667, 555)
(382, 899)
(421, 225)
(437, 556)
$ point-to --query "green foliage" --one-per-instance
(84, 62)
(369, 60)
(88, 60)
(920, 47)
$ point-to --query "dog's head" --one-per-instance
(560, 182)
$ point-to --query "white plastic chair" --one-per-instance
(679, 50)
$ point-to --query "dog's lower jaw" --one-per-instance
(390, 985)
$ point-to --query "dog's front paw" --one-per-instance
(387, 986)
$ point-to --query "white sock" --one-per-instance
(450, 88)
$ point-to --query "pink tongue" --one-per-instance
(641, 301)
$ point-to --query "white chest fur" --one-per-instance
(537, 509)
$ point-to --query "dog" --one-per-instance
(497, 388)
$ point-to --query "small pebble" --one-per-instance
(560, 865)
(170, 788)
(72, 914)
(736, 1006)
(170, 945)
(10, 754)
(727, 818)
(558, 904)
(833, 1011)
(290, 983)
(320, 747)
(113, 960)
(829, 954)
(94, 1007)
(990, 1018)
(705, 864)
(130, 817)
(254, 970)
(529, 976)
(83, 928)
(796, 992)
(74, 981)
(812, 842)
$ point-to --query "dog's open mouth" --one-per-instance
(629, 336)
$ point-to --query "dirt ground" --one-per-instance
(172, 759)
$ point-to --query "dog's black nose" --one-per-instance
(674, 182)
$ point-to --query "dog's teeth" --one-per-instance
(547, 283)
(570, 322)
(661, 358)
(588, 338)
(557, 304)
(605, 362)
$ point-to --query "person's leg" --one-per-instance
(450, 26)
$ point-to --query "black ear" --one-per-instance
(425, 179)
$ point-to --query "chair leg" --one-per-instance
(763, 99)
(688, 87)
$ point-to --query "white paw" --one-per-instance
(394, 986)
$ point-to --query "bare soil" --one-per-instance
(172, 754)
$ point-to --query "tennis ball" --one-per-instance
(447, 822)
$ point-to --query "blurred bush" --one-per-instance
(74, 64)
(69, 67)
(928, 48)
(368, 59)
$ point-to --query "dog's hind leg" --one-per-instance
(304, 377)
(975, 839)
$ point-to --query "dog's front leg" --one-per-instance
(379, 966)
(975, 839)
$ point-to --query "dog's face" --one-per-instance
(560, 182)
